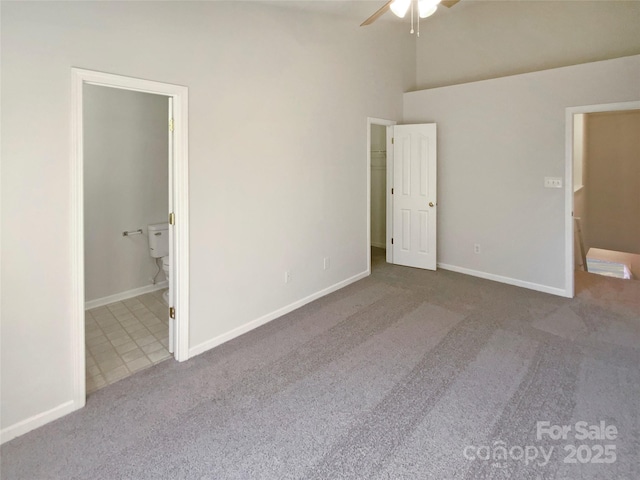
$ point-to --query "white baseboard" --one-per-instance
(36, 421)
(508, 280)
(378, 245)
(99, 302)
(236, 332)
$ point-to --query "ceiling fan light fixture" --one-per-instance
(426, 8)
(400, 7)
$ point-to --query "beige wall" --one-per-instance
(612, 185)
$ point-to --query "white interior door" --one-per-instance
(414, 195)
(172, 256)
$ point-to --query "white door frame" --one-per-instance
(180, 171)
(568, 183)
(385, 123)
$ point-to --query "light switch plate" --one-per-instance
(553, 182)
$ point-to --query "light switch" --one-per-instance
(553, 182)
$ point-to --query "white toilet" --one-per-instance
(159, 248)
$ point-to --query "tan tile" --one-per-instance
(126, 347)
(98, 340)
(94, 383)
(145, 340)
(89, 361)
(102, 348)
(117, 374)
(92, 331)
(162, 314)
(127, 319)
(145, 298)
(116, 333)
(154, 322)
(110, 367)
(157, 326)
(93, 371)
(143, 315)
(98, 311)
(138, 331)
(118, 305)
(132, 355)
(116, 342)
(160, 329)
(152, 347)
(165, 343)
(105, 324)
(106, 356)
(114, 328)
(159, 355)
(138, 364)
(155, 305)
(114, 312)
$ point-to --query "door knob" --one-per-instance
(431, 204)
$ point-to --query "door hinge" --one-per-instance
(172, 218)
(392, 140)
(392, 191)
(171, 124)
(172, 312)
(392, 241)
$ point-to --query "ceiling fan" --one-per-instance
(400, 8)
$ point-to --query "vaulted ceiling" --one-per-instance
(481, 39)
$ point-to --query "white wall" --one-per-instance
(378, 186)
(498, 139)
(279, 101)
(126, 186)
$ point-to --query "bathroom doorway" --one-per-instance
(130, 172)
(126, 241)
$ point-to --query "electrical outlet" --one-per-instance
(327, 263)
(287, 277)
(553, 182)
(476, 248)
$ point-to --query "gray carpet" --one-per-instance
(404, 375)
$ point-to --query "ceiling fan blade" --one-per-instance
(377, 15)
(448, 3)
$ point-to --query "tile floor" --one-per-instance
(124, 337)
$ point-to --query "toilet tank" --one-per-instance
(158, 239)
